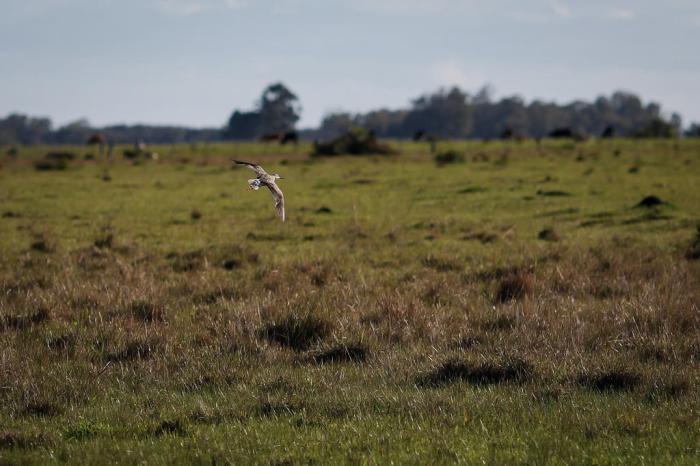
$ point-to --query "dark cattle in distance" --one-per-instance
(561, 133)
(290, 136)
(282, 137)
(566, 133)
(96, 138)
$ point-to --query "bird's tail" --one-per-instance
(254, 184)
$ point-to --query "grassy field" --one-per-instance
(521, 307)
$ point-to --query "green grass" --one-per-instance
(132, 331)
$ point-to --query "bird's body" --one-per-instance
(265, 179)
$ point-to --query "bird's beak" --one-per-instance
(281, 177)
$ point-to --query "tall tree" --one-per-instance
(279, 109)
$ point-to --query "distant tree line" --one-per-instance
(453, 113)
(21, 129)
(445, 113)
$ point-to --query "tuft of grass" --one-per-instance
(10, 439)
(146, 311)
(499, 324)
(357, 352)
(298, 332)
(553, 193)
(442, 264)
(42, 244)
(25, 321)
(135, 349)
(170, 427)
(514, 286)
(693, 251)
(613, 380)
(548, 234)
(505, 370)
(186, 262)
(104, 241)
(60, 343)
(41, 409)
(650, 201)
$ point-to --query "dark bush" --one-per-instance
(64, 156)
(650, 201)
(357, 141)
(448, 157)
(46, 164)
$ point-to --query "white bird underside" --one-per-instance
(265, 179)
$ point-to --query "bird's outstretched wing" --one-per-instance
(256, 168)
(279, 198)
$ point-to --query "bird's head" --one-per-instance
(277, 176)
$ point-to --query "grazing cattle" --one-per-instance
(422, 135)
(561, 133)
(608, 132)
(567, 133)
(282, 137)
(98, 139)
(509, 134)
(269, 137)
(290, 136)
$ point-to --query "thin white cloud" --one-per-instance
(560, 9)
(621, 14)
(452, 73)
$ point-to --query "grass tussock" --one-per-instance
(650, 201)
(342, 353)
(508, 369)
(26, 320)
(146, 311)
(134, 350)
(10, 439)
(693, 251)
(514, 286)
(613, 380)
(170, 427)
(43, 244)
(41, 409)
(448, 157)
(298, 332)
(548, 234)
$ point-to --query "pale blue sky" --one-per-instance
(191, 62)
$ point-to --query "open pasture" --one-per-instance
(522, 307)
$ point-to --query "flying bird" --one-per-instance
(265, 179)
